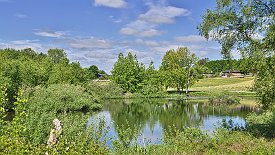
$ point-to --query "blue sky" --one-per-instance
(93, 32)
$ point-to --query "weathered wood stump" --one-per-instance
(55, 132)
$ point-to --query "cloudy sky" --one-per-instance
(94, 32)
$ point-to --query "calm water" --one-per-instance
(150, 118)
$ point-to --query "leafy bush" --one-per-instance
(223, 100)
(262, 124)
(58, 101)
(104, 90)
(62, 97)
(150, 91)
(16, 138)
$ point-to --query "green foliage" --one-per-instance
(17, 138)
(58, 101)
(265, 82)
(194, 141)
(93, 72)
(128, 73)
(10, 79)
(244, 65)
(152, 83)
(57, 55)
(62, 98)
(104, 90)
(262, 124)
(132, 77)
(14, 138)
(222, 99)
(151, 91)
(26, 68)
(67, 73)
(236, 24)
(179, 69)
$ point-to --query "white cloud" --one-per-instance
(88, 43)
(146, 24)
(140, 33)
(141, 29)
(111, 3)
(190, 38)
(22, 44)
(49, 33)
(112, 18)
(208, 49)
(128, 31)
(163, 49)
(22, 16)
(141, 25)
(163, 14)
(147, 42)
(149, 33)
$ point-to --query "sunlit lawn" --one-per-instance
(223, 84)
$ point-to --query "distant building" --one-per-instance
(232, 74)
(102, 76)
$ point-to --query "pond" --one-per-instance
(149, 118)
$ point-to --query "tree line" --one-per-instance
(27, 68)
(179, 69)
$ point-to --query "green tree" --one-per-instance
(180, 69)
(151, 85)
(249, 27)
(57, 55)
(128, 73)
(93, 72)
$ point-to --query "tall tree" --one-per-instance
(180, 69)
(246, 25)
(128, 73)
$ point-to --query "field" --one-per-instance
(234, 86)
(223, 84)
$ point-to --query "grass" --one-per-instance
(206, 82)
(223, 84)
(249, 102)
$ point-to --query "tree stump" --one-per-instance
(55, 132)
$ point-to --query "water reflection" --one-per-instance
(148, 119)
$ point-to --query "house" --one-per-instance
(232, 74)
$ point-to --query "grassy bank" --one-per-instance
(201, 90)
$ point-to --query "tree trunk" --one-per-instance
(187, 87)
(187, 84)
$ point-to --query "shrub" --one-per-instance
(63, 101)
(62, 97)
(151, 91)
(74, 140)
(104, 90)
(262, 124)
(223, 100)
